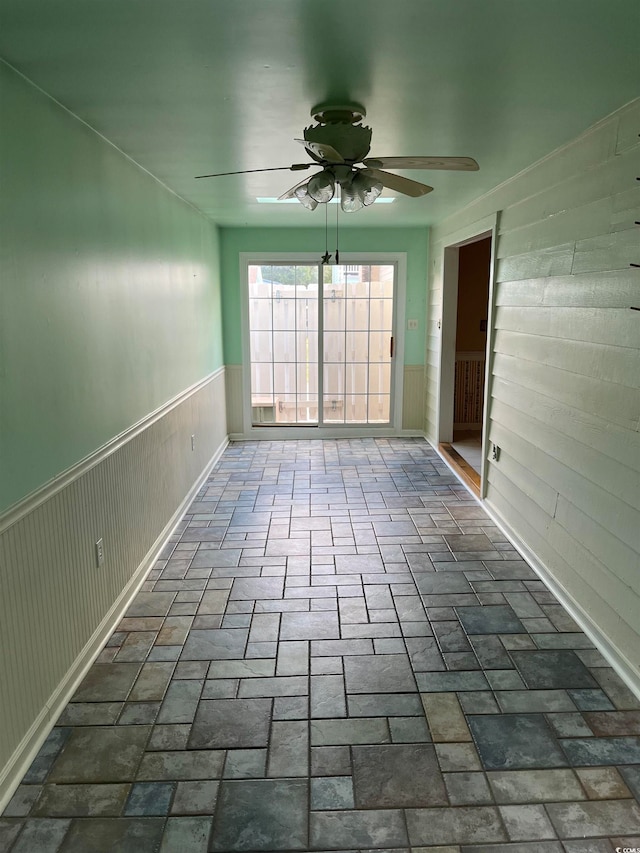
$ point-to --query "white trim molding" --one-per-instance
(45, 492)
(609, 651)
(613, 655)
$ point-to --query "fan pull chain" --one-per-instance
(326, 258)
(337, 211)
(636, 266)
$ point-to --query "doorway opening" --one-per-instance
(469, 271)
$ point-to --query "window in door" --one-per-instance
(283, 318)
(357, 340)
(341, 355)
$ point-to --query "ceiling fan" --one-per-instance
(339, 143)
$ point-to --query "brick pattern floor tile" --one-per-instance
(338, 650)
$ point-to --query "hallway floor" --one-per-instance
(338, 650)
(469, 446)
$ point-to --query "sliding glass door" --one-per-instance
(341, 355)
(357, 340)
(283, 326)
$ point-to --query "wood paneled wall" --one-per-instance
(564, 401)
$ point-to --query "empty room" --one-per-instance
(319, 426)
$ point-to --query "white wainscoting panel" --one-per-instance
(56, 607)
(235, 412)
(413, 397)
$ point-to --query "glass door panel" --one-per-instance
(283, 331)
(358, 327)
(354, 341)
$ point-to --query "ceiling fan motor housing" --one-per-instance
(338, 126)
(351, 141)
(330, 113)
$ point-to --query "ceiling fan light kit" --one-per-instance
(366, 187)
(350, 201)
(338, 143)
(321, 186)
(304, 198)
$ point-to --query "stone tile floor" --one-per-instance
(337, 650)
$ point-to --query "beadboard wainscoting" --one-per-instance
(564, 371)
(412, 399)
(235, 404)
(56, 607)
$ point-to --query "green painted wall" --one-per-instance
(413, 241)
(109, 295)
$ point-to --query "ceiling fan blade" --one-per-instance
(296, 167)
(458, 164)
(398, 183)
(326, 153)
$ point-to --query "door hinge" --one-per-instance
(391, 347)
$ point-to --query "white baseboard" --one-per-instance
(609, 651)
(612, 654)
(27, 749)
(284, 433)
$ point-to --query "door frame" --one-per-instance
(487, 227)
(399, 260)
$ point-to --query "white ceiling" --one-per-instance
(192, 86)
